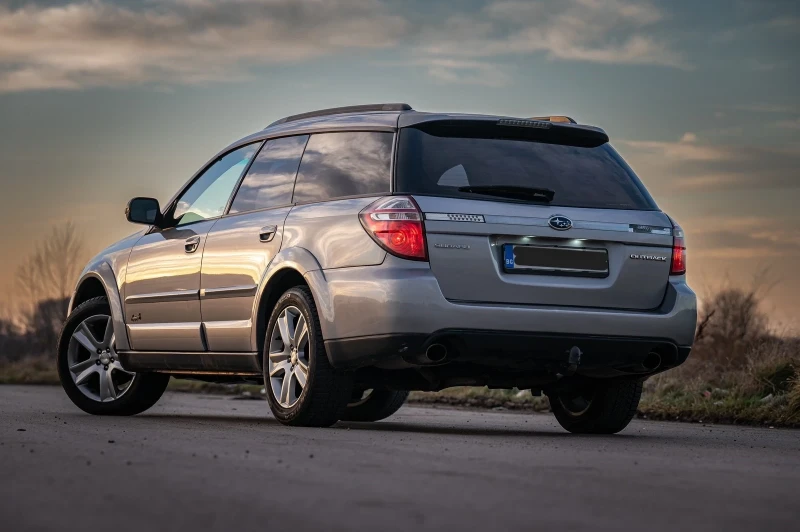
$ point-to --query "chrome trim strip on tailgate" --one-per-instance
(579, 224)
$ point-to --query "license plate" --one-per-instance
(555, 260)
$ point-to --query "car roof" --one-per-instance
(379, 117)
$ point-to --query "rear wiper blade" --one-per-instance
(509, 191)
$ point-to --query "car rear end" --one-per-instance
(520, 245)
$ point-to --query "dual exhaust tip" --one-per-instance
(436, 353)
(651, 361)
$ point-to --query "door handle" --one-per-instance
(191, 244)
(268, 233)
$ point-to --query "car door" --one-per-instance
(242, 244)
(162, 282)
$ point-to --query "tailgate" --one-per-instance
(510, 253)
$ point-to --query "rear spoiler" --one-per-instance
(533, 129)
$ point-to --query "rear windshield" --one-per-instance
(593, 177)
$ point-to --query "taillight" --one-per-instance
(395, 223)
(678, 251)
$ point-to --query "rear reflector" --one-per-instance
(678, 251)
(395, 223)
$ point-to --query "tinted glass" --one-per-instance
(270, 179)
(595, 177)
(344, 164)
(208, 196)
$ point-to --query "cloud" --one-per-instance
(693, 164)
(742, 237)
(463, 71)
(72, 45)
(765, 108)
(789, 124)
(179, 41)
(599, 31)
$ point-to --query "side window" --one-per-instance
(207, 197)
(270, 179)
(344, 164)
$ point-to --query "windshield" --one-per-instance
(452, 166)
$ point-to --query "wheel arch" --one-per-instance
(99, 280)
(289, 268)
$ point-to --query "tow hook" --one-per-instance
(573, 360)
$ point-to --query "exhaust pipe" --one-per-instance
(652, 361)
(436, 353)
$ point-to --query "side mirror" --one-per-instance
(143, 211)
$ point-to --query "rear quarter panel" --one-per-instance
(332, 233)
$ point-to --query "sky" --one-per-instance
(104, 100)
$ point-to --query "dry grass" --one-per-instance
(475, 397)
(737, 373)
(31, 370)
(765, 391)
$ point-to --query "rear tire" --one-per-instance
(93, 378)
(315, 394)
(597, 408)
(379, 404)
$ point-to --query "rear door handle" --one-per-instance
(192, 244)
(268, 233)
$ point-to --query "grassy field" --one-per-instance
(767, 393)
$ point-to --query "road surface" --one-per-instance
(215, 463)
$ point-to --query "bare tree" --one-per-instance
(46, 278)
(59, 260)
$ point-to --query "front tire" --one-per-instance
(597, 407)
(374, 405)
(90, 371)
(303, 389)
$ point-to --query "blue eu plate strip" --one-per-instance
(508, 256)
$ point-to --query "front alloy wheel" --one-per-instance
(90, 371)
(93, 363)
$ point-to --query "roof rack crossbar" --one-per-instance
(555, 118)
(345, 110)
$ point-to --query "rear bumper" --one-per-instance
(603, 356)
(375, 313)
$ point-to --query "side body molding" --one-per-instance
(102, 271)
(297, 259)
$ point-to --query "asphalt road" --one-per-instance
(215, 463)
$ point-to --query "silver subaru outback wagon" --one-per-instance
(345, 257)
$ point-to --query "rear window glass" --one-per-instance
(593, 177)
(335, 165)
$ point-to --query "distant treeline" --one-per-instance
(39, 333)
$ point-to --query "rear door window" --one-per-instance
(579, 176)
(344, 164)
(270, 179)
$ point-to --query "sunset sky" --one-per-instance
(101, 101)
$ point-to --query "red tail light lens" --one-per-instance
(678, 251)
(395, 223)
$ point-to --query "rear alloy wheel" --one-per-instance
(373, 405)
(598, 407)
(90, 370)
(303, 389)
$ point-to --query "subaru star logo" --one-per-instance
(559, 223)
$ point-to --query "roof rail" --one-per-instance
(555, 118)
(344, 110)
